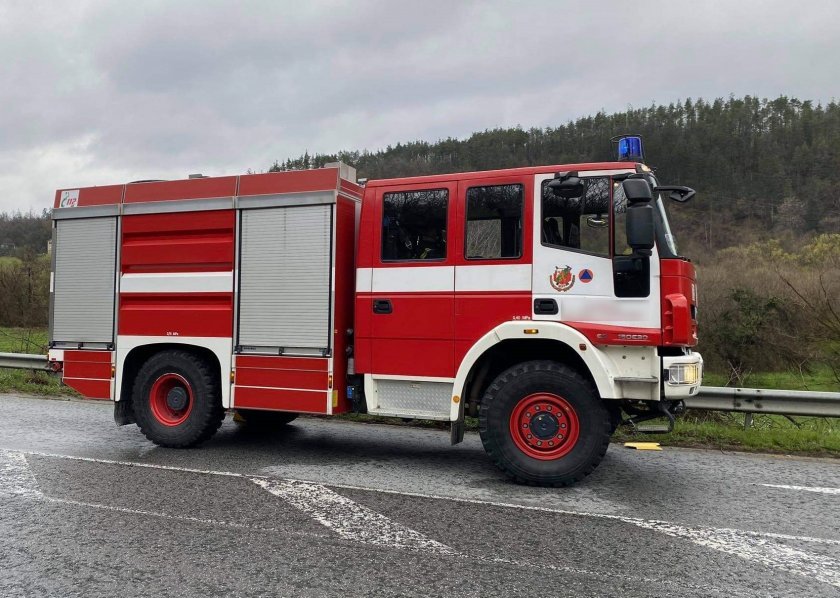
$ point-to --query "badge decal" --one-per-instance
(562, 279)
(69, 199)
(585, 275)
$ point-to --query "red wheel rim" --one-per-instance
(544, 426)
(166, 396)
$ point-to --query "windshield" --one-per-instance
(666, 226)
(665, 233)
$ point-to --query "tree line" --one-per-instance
(762, 168)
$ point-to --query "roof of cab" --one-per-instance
(506, 172)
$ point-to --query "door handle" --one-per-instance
(382, 306)
(545, 306)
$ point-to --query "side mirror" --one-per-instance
(640, 227)
(637, 190)
(677, 193)
(566, 185)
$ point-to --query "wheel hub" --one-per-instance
(176, 398)
(544, 426)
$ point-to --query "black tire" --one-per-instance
(515, 398)
(258, 419)
(162, 375)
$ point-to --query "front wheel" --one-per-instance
(177, 399)
(544, 424)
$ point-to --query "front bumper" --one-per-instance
(681, 375)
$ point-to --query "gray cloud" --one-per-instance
(96, 92)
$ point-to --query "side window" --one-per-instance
(494, 222)
(580, 223)
(414, 225)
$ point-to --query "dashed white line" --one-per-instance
(349, 519)
(805, 488)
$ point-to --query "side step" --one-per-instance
(666, 409)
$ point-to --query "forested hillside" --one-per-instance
(761, 167)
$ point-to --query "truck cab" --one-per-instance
(467, 282)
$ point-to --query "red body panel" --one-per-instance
(180, 242)
(205, 188)
(276, 399)
(176, 314)
(679, 305)
(95, 196)
(282, 383)
(88, 372)
(478, 313)
(296, 181)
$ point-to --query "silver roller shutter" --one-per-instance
(85, 270)
(285, 271)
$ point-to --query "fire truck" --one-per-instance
(549, 302)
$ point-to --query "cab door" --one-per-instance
(413, 282)
(575, 258)
(493, 272)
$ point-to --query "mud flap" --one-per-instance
(456, 428)
(123, 413)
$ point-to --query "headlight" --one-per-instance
(683, 373)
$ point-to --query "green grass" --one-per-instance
(21, 340)
(819, 378)
(9, 261)
(769, 433)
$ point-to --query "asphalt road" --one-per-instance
(325, 508)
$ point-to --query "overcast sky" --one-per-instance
(93, 93)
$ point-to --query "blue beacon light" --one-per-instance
(630, 149)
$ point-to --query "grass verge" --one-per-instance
(25, 340)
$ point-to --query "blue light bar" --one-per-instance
(630, 149)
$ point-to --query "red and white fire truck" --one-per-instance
(550, 302)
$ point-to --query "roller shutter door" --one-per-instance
(85, 270)
(285, 279)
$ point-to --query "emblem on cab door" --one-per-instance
(562, 279)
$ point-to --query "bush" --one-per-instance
(764, 308)
(24, 291)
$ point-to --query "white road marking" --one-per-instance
(325, 506)
(24, 479)
(805, 488)
(767, 552)
(16, 478)
(349, 519)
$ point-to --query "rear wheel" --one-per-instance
(177, 400)
(544, 424)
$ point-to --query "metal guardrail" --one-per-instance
(23, 361)
(712, 398)
(760, 400)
